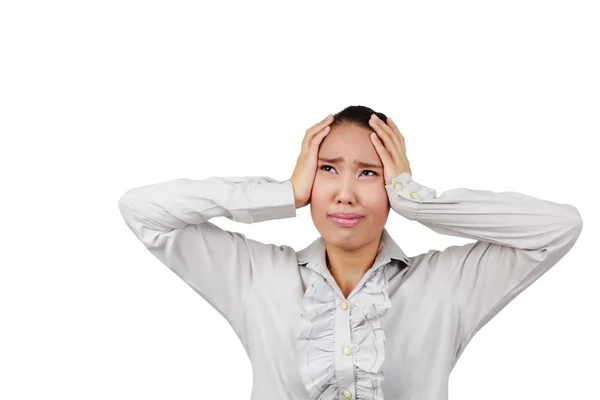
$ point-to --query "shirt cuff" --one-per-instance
(406, 187)
(407, 196)
(271, 199)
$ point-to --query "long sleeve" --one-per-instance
(518, 238)
(171, 219)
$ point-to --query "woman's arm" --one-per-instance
(518, 238)
(171, 220)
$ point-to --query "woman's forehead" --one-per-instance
(353, 160)
(349, 147)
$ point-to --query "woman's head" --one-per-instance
(346, 187)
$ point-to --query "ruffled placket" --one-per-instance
(316, 344)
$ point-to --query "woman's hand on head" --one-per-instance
(390, 146)
(306, 167)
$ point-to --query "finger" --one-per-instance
(396, 137)
(318, 139)
(384, 154)
(392, 124)
(386, 134)
(314, 130)
(319, 126)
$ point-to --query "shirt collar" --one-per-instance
(388, 249)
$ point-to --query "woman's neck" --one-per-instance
(349, 267)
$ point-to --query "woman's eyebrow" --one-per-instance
(355, 162)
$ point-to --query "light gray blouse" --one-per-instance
(408, 319)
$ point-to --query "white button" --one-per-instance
(347, 350)
(397, 186)
(414, 195)
(344, 305)
(347, 394)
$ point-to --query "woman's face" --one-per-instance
(347, 187)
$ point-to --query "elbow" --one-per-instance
(573, 225)
(126, 207)
(122, 203)
(122, 200)
(126, 199)
(574, 218)
(564, 237)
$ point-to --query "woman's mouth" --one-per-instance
(345, 222)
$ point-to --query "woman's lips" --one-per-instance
(346, 222)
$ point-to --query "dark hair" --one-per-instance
(356, 115)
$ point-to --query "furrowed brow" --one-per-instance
(340, 160)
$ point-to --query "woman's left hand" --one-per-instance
(389, 143)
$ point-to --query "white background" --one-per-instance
(99, 97)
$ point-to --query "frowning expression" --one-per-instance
(349, 179)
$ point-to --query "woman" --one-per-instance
(332, 320)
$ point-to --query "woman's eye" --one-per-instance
(329, 166)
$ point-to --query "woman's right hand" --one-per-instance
(306, 167)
